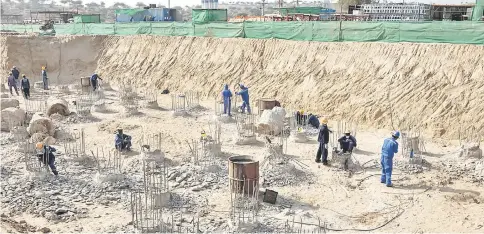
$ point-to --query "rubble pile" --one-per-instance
(470, 169)
(280, 170)
(198, 178)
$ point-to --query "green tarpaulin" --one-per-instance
(477, 12)
(209, 15)
(458, 32)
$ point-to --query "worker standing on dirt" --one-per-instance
(94, 83)
(347, 142)
(323, 139)
(16, 74)
(227, 99)
(46, 156)
(388, 150)
(25, 85)
(244, 93)
(44, 78)
(12, 84)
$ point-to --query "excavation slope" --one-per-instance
(436, 86)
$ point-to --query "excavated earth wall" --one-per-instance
(437, 86)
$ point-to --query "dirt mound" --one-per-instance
(381, 84)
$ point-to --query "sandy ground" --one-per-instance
(434, 200)
(385, 85)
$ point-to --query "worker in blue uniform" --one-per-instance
(244, 93)
(94, 83)
(227, 99)
(388, 150)
(313, 121)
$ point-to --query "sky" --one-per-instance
(198, 2)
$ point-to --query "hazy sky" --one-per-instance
(198, 2)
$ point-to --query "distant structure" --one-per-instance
(56, 16)
(209, 4)
(396, 11)
(11, 19)
(411, 12)
(149, 13)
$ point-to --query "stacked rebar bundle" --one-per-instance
(153, 140)
(77, 147)
(33, 106)
(155, 176)
(193, 99)
(245, 125)
(108, 161)
(32, 161)
(218, 107)
(178, 103)
(244, 197)
(148, 217)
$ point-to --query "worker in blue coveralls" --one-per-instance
(388, 150)
(244, 93)
(313, 121)
(94, 84)
(45, 154)
(347, 142)
(227, 99)
(122, 141)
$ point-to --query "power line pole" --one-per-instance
(262, 7)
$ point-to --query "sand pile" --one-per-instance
(372, 83)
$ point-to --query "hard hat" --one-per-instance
(43, 67)
(324, 121)
(23, 75)
(10, 73)
(301, 112)
(39, 145)
(396, 134)
(347, 132)
(14, 67)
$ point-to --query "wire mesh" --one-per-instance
(77, 146)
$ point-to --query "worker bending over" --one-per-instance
(227, 99)
(45, 154)
(244, 93)
(323, 139)
(313, 121)
(94, 82)
(388, 150)
(122, 141)
(347, 142)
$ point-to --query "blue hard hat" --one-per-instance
(396, 134)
